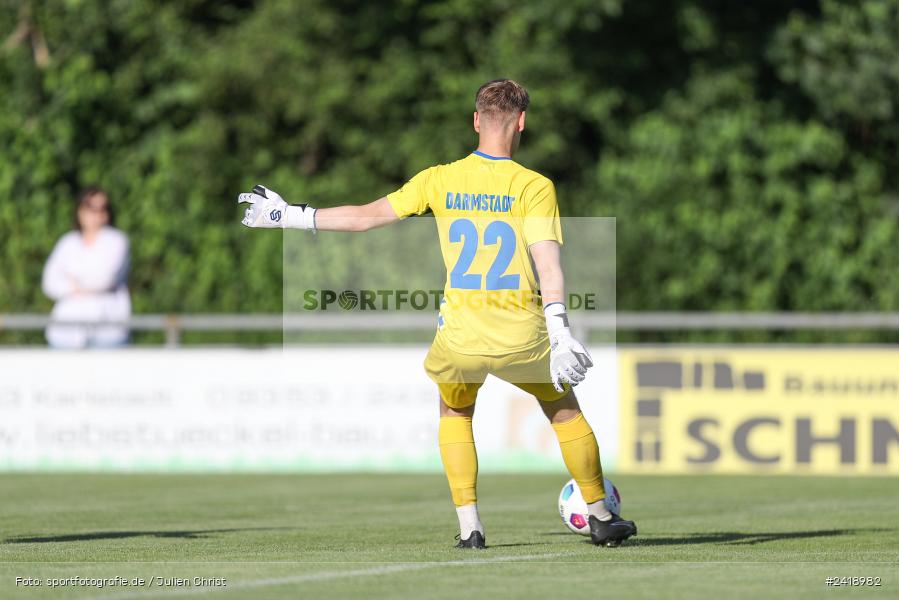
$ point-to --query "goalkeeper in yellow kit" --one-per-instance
(500, 234)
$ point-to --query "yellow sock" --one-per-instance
(460, 460)
(581, 454)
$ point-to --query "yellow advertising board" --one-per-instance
(793, 410)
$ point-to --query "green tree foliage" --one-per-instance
(748, 150)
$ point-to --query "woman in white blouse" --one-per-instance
(86, 275)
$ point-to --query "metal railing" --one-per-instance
(174, 325)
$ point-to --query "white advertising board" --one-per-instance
(296, 409)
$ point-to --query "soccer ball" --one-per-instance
(573, 508)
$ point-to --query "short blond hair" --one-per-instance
(501, 97)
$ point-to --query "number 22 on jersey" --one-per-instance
(497, 232)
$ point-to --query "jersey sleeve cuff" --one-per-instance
(393, 200)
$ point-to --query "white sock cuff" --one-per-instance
(469, 520)
(598, 509)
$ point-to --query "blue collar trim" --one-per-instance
(488, 157)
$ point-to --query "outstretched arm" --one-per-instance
(269, 210)
(355, 218)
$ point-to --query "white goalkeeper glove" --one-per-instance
(268, 209)
(568, 359)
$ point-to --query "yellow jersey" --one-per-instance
(488, 210)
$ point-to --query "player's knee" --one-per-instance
(449, 411)
(562, 410)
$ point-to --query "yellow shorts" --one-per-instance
(460, 376)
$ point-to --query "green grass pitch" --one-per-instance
(391, 536)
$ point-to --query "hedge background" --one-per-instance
(748, 150)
